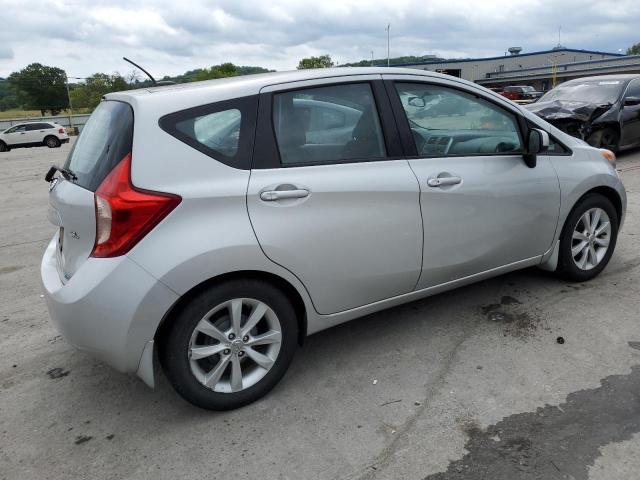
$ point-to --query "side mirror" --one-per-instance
(631, 101)
(537, 142)
(417, 102)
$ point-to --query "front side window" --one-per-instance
(17, 128)
(334, 124)
(633, 90)
(448, 122)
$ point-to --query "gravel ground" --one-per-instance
(471, 384)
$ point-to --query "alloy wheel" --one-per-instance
(235, 345)
(590, 239)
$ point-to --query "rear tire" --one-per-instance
(588, 238)
(202, 352)
(52, 142)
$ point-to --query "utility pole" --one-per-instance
(70, 105)
(372, 58)
(388, 29)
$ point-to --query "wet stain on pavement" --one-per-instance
(57, 373)
(553, 442)
(80, 439)
(518, 322)
(5, 270)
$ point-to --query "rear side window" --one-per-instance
(223, 130)
(38, 126)
(105, 140)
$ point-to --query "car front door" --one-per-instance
(482, 207)
(17, 135)
(340, 211)
(631, 116)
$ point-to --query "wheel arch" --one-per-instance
(285, 286)
(607, 192)
(44, 140)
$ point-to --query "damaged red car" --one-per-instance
(604, 111)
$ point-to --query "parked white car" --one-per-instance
(33, 134)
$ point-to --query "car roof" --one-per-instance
(253, 83)
(171, 98)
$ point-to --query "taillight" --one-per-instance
(124, 213)
(61, 130)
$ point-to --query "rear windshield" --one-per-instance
(105, 140)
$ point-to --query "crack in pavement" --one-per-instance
(383, 458)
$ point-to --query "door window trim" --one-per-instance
(408, 141)
(267, 155)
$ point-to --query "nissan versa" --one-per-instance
(214, 225)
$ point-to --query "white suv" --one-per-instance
(33, 134)
(214, 225)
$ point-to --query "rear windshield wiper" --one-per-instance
(65, 172)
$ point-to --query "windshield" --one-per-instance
(528, 89)
(599, 92)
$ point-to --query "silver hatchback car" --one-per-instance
(214, 225)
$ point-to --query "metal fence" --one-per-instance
(67, 121)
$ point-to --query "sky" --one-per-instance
(169, 37)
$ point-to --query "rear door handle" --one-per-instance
(273, 195)
(443, 181)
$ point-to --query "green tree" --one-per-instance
(8, 99)
(217, 71)
(323, 61)
(89, 93)
(40, 87)
(634, 49)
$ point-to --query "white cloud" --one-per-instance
(170, 37)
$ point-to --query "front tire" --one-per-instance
(588, 238)
(4, 147)
(52, 142)
(230, 345)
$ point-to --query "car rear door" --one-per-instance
(341, 212)
(36, 132)
(105, 140)
(482, 207)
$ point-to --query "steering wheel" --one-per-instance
(502, 147)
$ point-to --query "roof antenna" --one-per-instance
(153, 80)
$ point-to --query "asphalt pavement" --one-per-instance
(469, 384)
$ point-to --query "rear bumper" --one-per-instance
(110, 308)
(64, 140)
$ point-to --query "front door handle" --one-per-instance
(443, 181)
(273, 195)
